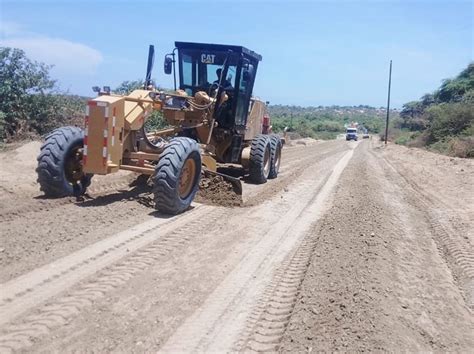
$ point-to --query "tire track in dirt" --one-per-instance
(55, 314)
(22, 332)
(376, 280)
(32, 288)
(16, 209)
(64, 225)
(60, 311)
(268, 321)
(458, 254)
(215, 326)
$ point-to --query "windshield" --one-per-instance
(351, 131)
(201, 69)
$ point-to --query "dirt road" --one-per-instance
(353, 247)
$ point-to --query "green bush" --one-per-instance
(450, 119)
(441, 146)
(462, 146)
(403, 139)
(469, 131)
(444, 118)
(155, 121)
(455, 146)
(418, 140)
(29, 101)
(24, 86)
(3, 124)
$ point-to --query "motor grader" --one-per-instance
(213, 120)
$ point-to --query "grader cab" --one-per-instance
(213, 122)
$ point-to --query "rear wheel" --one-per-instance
(60, 163)
(260, 159)
(275, 148)
(176, 177)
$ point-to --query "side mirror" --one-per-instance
(168, 65)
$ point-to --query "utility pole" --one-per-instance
(388, 102)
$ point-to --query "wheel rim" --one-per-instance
(73, 165)
(277, 158)
(266, 162)
(187, 177)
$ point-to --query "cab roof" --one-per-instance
(218, 48)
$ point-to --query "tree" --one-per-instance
(453, 90)
(427, 100)
(449, 119)
(23, 86)
(128, 86)
(411, 109)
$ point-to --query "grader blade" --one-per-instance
(235, 182)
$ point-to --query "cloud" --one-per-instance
(9, 28)
(68, 58)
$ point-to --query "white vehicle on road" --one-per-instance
(351, 134)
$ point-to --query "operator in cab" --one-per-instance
(224, 83)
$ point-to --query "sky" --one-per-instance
(314, 52)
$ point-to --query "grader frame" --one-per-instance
(210, 124)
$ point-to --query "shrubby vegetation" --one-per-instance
(443, 120)
(326, 122)
(30, 103)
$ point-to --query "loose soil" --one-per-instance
(376, 280)
(216, 190)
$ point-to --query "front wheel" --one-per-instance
(60, 163)
(176, 177)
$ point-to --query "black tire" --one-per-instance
(178, 156)
(260, 159)
(60, 163)
(275, 159)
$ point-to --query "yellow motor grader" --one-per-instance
(214, 122)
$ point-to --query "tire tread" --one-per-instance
(167, 172)
(257, 158)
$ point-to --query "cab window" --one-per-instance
(188, 69)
